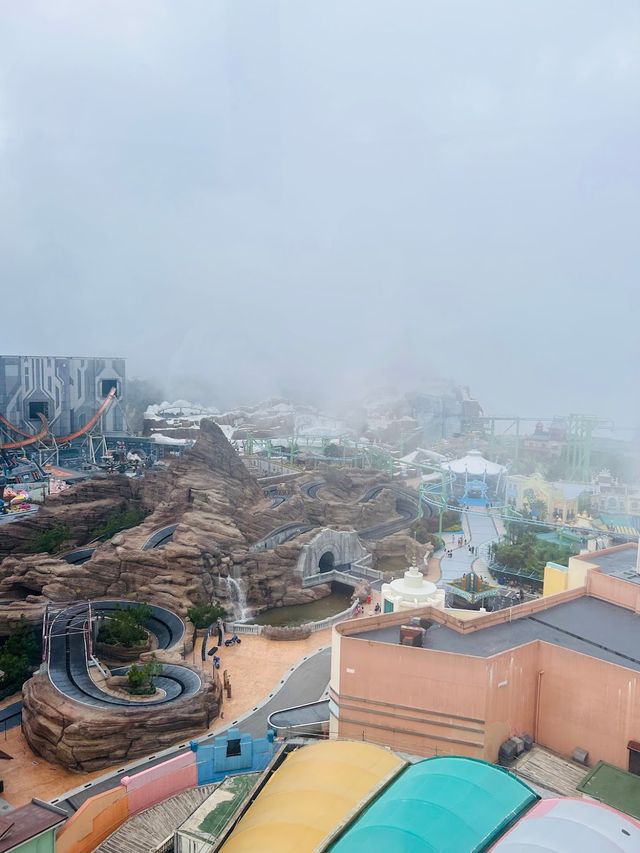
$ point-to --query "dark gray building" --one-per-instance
(67, 390)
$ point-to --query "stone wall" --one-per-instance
(344, 545)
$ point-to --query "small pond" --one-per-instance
(298, 614)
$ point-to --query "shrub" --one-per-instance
(120, 521)
(125, 626)
(50, 540)
(18, 655)
(203, 615)
(140, 678)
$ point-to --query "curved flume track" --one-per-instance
(160, 537)
(67, 657)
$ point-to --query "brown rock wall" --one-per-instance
(85, 739)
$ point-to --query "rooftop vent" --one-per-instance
(581, 756)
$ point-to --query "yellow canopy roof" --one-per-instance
(314, 791)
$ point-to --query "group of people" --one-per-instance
(359, 611)
(461, 541)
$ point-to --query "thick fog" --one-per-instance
(254, 197)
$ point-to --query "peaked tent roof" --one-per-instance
(447, 803)
(475, 464)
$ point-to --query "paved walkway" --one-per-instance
(479, 531)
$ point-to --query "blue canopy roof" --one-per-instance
(447, 803)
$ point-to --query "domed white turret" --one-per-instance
(411, 591)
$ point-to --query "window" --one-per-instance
(37, 408)
(107, 385)
(233, 747)
(79, 384)
(11, 371)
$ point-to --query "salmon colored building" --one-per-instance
(564, 669)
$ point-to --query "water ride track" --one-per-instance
(67, 644)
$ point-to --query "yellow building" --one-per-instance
(619, 561)
(559, 500)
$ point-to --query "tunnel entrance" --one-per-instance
(327, 562)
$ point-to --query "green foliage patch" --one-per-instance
(125, 626)
(18, 656)
(50, 540)
(522, 552)
(140, 678)
(203, 615)
(120, 521)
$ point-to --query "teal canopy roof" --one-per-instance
(446, 803)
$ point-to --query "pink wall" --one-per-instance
(410, 699)
(151, 786)
(102, 814)
(510, 704)
(424, 701)
(614, 590)
(589, 703)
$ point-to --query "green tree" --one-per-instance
(526, 554)
(140, 678)
(203, 615)
(125, 626)
(18, 655)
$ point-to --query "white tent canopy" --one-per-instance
(474, 465)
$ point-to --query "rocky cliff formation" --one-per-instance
(84, 738)
(220, 511)
(82, 509)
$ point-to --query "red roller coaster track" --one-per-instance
(39, 436)
(60, 439)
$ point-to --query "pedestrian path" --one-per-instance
(479, 531)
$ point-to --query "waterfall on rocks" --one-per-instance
(238, 598)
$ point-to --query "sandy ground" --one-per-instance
(255, 669)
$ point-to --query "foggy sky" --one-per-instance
(253, 197)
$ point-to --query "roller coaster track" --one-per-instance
(103, 409)
(432, 498)
(14, 428)
(67, 647)
(44, 434)
(32, 439)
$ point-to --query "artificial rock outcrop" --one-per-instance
(220, 511)
(83, 738)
